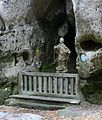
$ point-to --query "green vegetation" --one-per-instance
(37, 51)
(93, 93)
(48, 68)
(9, 86)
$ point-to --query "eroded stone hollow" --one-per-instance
(90, 45)
(25, 56)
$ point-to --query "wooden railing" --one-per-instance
(49, 84)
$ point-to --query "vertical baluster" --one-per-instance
(50, 84)
(40, 84)
(25, 83)
(72, 86)
(66, 87)
(45, 84)
(55, 85)
(34, 84)
(61, 85)
(75, 86)
(30, 83)
(20, 83)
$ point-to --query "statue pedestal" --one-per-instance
(62, 71)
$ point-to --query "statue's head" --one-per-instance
(61, 40)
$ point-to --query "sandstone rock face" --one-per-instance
(20, 32)
(27, 25)
(88, 36)
(70, 12)
(88, 16)
(17, 25)
(31, 28)
(49, 10)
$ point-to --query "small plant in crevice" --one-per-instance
(48, 67)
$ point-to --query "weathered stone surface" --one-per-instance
(8, 86)
(18, 38)
(63, 29)
(30, 25)
(19, 33)
(49, 10)
(88, 36)
(26, 27)
(21, 116)
(89, 46)
(70, 12)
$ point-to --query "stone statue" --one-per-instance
(63, 54)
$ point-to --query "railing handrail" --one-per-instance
(49, 74)
(29, 77)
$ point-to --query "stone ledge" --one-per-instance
(40, 102)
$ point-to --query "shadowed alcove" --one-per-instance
(69, 40)
(90, 45)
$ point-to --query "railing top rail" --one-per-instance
(49, 74)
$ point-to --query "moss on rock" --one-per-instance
(9, 86)
(48, 68)
(93, 93)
